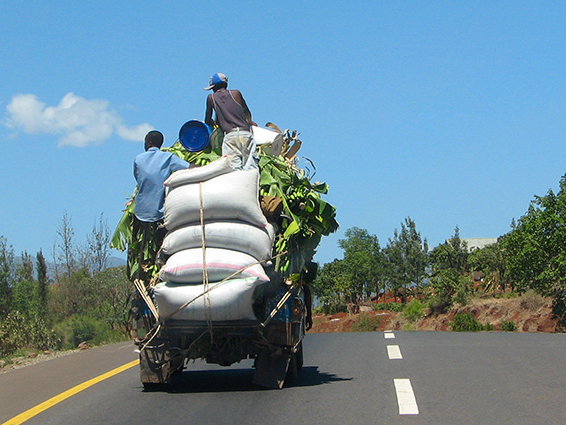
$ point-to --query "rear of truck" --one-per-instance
(231, 279)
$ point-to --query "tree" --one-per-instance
(25, 292)
(331, 286)
(98, 243)
(448, 272)
(353, 279)
(406, 256)
(453, 254)
(363, 261)
(64, 251)
(71, 295)
(490, 260)
(25, 269)
(42, 280)
(7, 276)
(535, 250)
(111, 292)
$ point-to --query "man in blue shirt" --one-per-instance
(151, 169)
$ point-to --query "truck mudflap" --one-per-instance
(155, 364)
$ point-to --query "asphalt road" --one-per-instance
(348, 378)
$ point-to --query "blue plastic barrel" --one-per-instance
(194, 135)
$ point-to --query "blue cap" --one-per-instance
(216, 79)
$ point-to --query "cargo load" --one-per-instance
(230, 280)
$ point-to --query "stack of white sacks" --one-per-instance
(236, 236)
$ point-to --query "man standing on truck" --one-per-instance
(151, 169)
(234, 119)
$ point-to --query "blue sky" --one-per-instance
(451, 113)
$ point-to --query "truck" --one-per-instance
(231, 279)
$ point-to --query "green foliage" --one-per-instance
(366, 323)
(26, 298)
(7, 276)
(20, 331)
(490, 260)
(81, 328)
(449, 280)
(112, 296)
(331, 286)
(449, 287)
(414, 310)
(453, 255)
(406, 259)
(465, 322)
(42, 281)
(397, 307)
(71, 295)
(536, 248)
(353, 279)
(309, 216)
(508, 326)
(330, 308)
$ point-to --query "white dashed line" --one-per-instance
(388, 335)
(406, 397)
(394, 352)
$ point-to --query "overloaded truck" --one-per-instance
(231, 278)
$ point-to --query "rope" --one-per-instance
(282, 301)
(206, 286)
(222, 282)
(155, 333)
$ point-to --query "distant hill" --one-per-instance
(115, 262)
(111, 262)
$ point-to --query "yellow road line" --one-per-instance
(28, 414)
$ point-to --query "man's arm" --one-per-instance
(177, 163)
(209, 108)
(240, 99)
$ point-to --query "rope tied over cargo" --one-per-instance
(205, 281)
(217, 285)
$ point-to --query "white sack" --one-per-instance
(186, 266)
(232, 300)
(233, 235)
(231, 196)
(199, 174)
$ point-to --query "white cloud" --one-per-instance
(79, 122)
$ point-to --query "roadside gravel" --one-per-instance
(20, 362)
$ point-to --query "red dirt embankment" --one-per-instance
(528, 313)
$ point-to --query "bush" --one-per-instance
(508, 326)
(79, 329)
(18, 331)
(390, 307)
(414, 310)
(465, 322)
(366, 323)
(330, 308)
(531, 300)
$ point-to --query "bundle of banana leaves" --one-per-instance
(303, 219)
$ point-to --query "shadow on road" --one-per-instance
(237, 380)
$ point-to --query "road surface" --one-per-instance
(348, 378)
